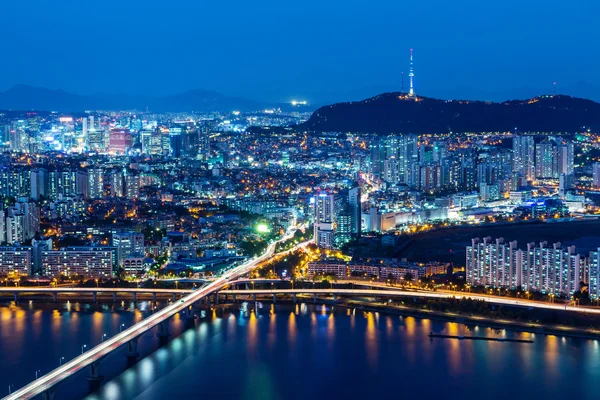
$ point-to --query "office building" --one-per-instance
(128, 245)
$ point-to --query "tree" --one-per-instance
(408, 277)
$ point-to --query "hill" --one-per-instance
(399, 113)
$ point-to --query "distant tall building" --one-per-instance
(355, 210)
(2, 226)
(132, 185)
(524, 156)
(566, 158)
(596, 175)
(324, 218)
(176, 137)
(392, 157)
(116, 184)
(411, 75)
(546, 160)
(120, 141)
(96, 183)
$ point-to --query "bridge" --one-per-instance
(397, 293)
(55, 291)
(44, 385)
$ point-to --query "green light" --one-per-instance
(262, 228)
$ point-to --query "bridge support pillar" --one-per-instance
(188, 314)
(254, 296)
(216, 297)
(174, 297)
(55, 295)
(134, 297)
(16, 297)
(114, 297)
(295, 298)
(226, 297)
(274, 298)
(154, 297)
(48, 394)
(132, 352)
(234, 298)
(95, 297)
(315, 298)
(375, 298)
(163, 329)
(334, 297)
(95, 372)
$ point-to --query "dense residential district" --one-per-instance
(106, 197)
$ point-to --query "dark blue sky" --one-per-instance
(277, 50)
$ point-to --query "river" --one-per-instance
(295, 352)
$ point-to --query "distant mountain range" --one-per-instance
(397, 112)
(23, 97)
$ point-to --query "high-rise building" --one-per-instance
(2, 226)
(116, 184)
(132, 185)
(324, 219)
(120, 141)
(524, 156)
(96, 183)
(566, 158)
(354, 200)
(538, 268)
(546, 160)
(128, 244)
(596, 175)
(393, 156)
(39, 183)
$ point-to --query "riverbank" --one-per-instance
(447, 316)
(473, 320)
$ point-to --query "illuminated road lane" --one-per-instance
(403, 293)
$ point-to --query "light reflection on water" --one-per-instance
(324, 344)
(299, 351)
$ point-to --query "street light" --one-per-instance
(103, 337)
(60, 361)
(37, 371)
(83, 347)
(121, 327)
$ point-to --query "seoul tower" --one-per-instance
(411, 74)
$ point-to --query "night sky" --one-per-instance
(313, 49)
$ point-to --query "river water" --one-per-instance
(299, 351)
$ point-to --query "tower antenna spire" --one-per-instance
(555, 88)
(411, 74)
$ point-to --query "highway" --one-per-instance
(403, 293)
(97, 353)
(36, 289)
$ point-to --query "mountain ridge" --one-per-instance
(396, 112)
(25, 97)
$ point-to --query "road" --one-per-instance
(36, 289)
(389, 293)
(97, 353)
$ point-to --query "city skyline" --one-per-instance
(323, 53)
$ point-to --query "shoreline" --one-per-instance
(471, 320)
